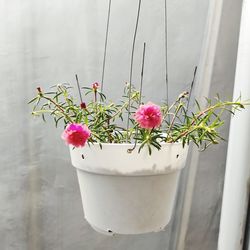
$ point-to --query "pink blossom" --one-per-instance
(76, 134)
(149, 116)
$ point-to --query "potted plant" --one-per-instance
(128, 156)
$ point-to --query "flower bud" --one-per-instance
(83, 105)
(40, 93)
(95, 86)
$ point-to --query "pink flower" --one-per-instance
(149, 116)
(76, 134)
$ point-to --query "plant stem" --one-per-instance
(173, 119)
(59, 107)
(182, 95)
(214, 107)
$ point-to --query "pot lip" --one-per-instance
(96, 164)
(130, 144)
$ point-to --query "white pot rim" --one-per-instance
(114, 159)
(127, 144)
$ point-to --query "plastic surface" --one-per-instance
(136, 198)
(113, 159)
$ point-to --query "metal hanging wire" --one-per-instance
(166, 51)
(131, 65)
(142, 71)
(105, 47)
(132, 60)
(141, 88)
(166, 62)
(78, 87)
(191, 87)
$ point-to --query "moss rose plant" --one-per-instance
(100, 121)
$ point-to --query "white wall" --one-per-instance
(219, 68)
(236, 186)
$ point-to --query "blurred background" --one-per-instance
(45, 42)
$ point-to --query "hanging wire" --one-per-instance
(79, 90)
(105, 47)
(141, 87)
(191, 87)
(142, 70)
(166, 51)
(131, 64)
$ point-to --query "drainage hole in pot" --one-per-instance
(177, 156)
(110, 231)
(83, 156)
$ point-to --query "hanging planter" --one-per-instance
(128, 176)
(128, 193)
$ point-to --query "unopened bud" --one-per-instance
(95, 86)
(83, 105)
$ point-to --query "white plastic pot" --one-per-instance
(128, 193)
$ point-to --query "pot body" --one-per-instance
(128, 193)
